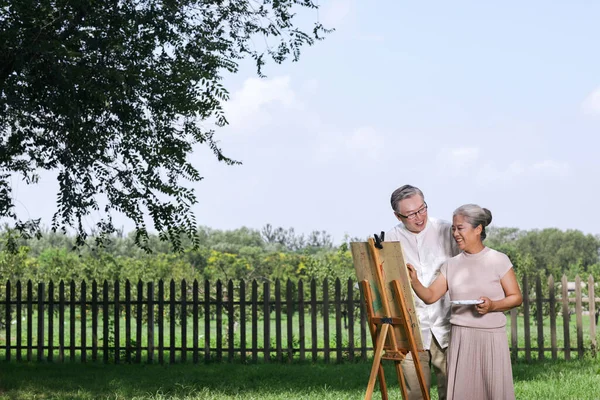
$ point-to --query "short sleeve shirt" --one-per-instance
(471, 276)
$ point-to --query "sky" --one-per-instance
(493, 103)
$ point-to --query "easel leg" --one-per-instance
(400, 374)
(366, 290)
(420, 375)
(382, 385)
(377, 362)
(412, 343)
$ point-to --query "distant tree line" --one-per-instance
(266, 254)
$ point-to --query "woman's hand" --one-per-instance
(412, 274)
(485, 307)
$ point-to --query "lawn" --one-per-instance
(576, 379)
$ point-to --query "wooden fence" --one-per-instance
(240, 322)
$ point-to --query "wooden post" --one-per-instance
(207, 320)
(350, 310)
(526, 323)
(301, 323)
(566, 317)
(579, 316)
(278, 353)
(105, 318)
(8, 321)
(552, 299)
(150, 313)
(540, 317)
(50, 356)
(338, 320)
(117, 319)
(289, 306)
(243, 321)
(61, 321)
(195, 318)
(592, 309)
(94, 320)
(183, 321)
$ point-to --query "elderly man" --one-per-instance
(427, 243)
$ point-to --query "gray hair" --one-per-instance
(402, 193)
(475, 216)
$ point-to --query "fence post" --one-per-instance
(243, 321)
(29, 320)
(289, 304)
(206, 321)
(161, 322)
(105, 314)
(552, 298)
(566, 317)
(526, 325)
(8, 321)
(183, 320)
(195, 316)
(230, 320)
(579, 316)
(350, 312)
(94, 320)
(540, 317)
(278, 320)
(138, 324)
(313, 318)
(150, 327)
(117, 319)
(326, 320)
(338, 320)
(301, 326)
(219, 320)
(19, 321)
(50, 356)
(83, 322)
(267, 321)
(592, 309)
(128, 321)
(254, 321)
(61, 321)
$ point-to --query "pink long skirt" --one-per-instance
(479, 365)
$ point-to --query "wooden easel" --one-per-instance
(389, 304)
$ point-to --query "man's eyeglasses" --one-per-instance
(413, 215)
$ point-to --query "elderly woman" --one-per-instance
(482, 285)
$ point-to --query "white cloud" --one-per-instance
(466, 162)
(335, 12)
(519, 170)
(591, 104)
(551, 168)
(458, 160)
(249, 106)
(363, 143)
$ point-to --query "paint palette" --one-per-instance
(466, 302)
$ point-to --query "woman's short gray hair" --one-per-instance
(402, 193)
(475, 216)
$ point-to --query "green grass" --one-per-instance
(577, 379)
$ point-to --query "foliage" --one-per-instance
(114, 95)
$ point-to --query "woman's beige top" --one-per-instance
(471, 276)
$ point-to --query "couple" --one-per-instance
(451, 258)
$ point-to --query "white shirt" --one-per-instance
(427, 251)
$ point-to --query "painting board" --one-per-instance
(392, 267)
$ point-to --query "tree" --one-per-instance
(114, 94)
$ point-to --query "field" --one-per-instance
(577, 379)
